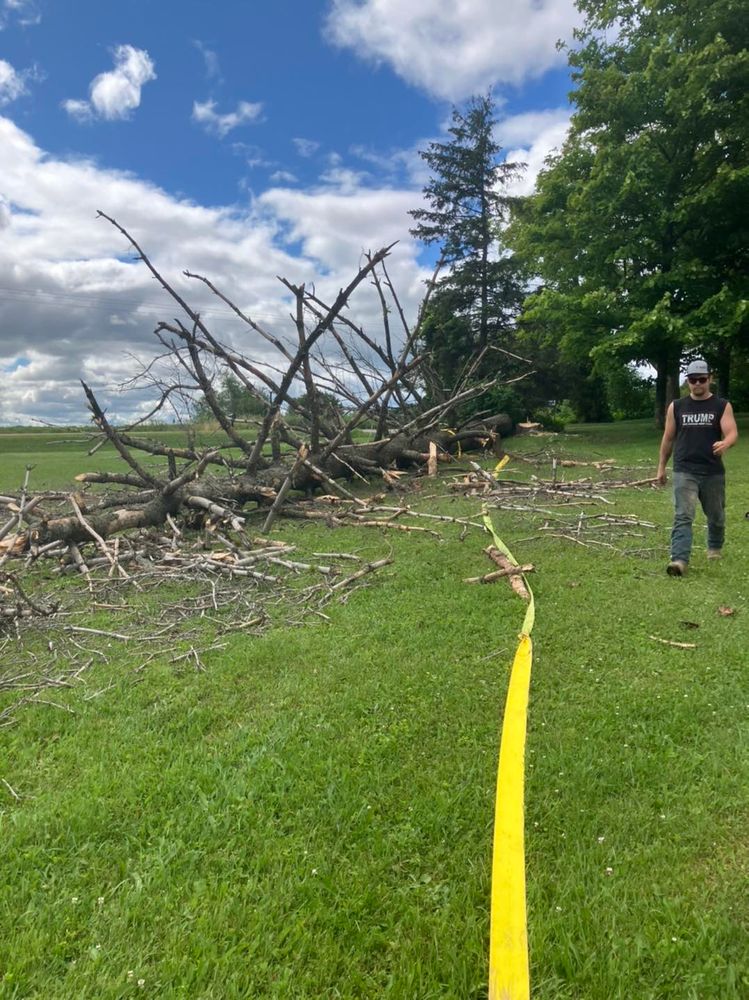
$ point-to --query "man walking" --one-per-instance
(700, 427)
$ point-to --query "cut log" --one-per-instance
(516, 581)
(500, 574)
(432, 463)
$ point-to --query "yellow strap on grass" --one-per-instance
(509, 977)
(501, 463)
(530, 614)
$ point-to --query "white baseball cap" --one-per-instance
(698, 367)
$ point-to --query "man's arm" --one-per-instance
(667, 445)
(728, 429)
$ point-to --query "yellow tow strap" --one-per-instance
(509, 977)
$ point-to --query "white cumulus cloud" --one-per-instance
(525, 128)
(25, 12)
(80, 110)
(337, 222)
(306, 147)
(12, 83)
(74, 303)
(455, 48)
(115, 94)
(529, 138)
(211, 61)
(283, 177)
(205, 114)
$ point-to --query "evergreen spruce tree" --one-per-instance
(475, 303)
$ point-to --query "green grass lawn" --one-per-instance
(57, 455)
(311, 817)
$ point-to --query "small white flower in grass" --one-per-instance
(674, 939)
(130, 974)
(558, 909)
(601, 840)
(141, 983)
(100, 901)
(314, 871)
(609, 871)
(74, 900)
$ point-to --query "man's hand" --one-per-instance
(720, 447)
(660, 477)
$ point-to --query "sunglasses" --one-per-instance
(692, 379)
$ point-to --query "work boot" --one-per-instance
(714, 554)
(677, 567)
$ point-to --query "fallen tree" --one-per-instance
(299, 442)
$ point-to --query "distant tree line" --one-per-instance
(633, 249)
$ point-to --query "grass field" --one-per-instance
(311, 817)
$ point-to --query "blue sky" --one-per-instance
(239, 139)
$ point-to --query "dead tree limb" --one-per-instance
(337, 381)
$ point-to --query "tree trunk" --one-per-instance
(224, 497)
(666, 384)
(673, 381)
(723, 365)
(660, 393)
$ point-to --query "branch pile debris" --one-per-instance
(334, 404)
(558, 506)
(317, 395)
(177, 593)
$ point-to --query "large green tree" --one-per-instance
(638, 229)
(235, 400)
(466, 205)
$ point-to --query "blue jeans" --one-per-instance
(711, 492)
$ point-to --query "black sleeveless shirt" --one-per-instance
(697, 430)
